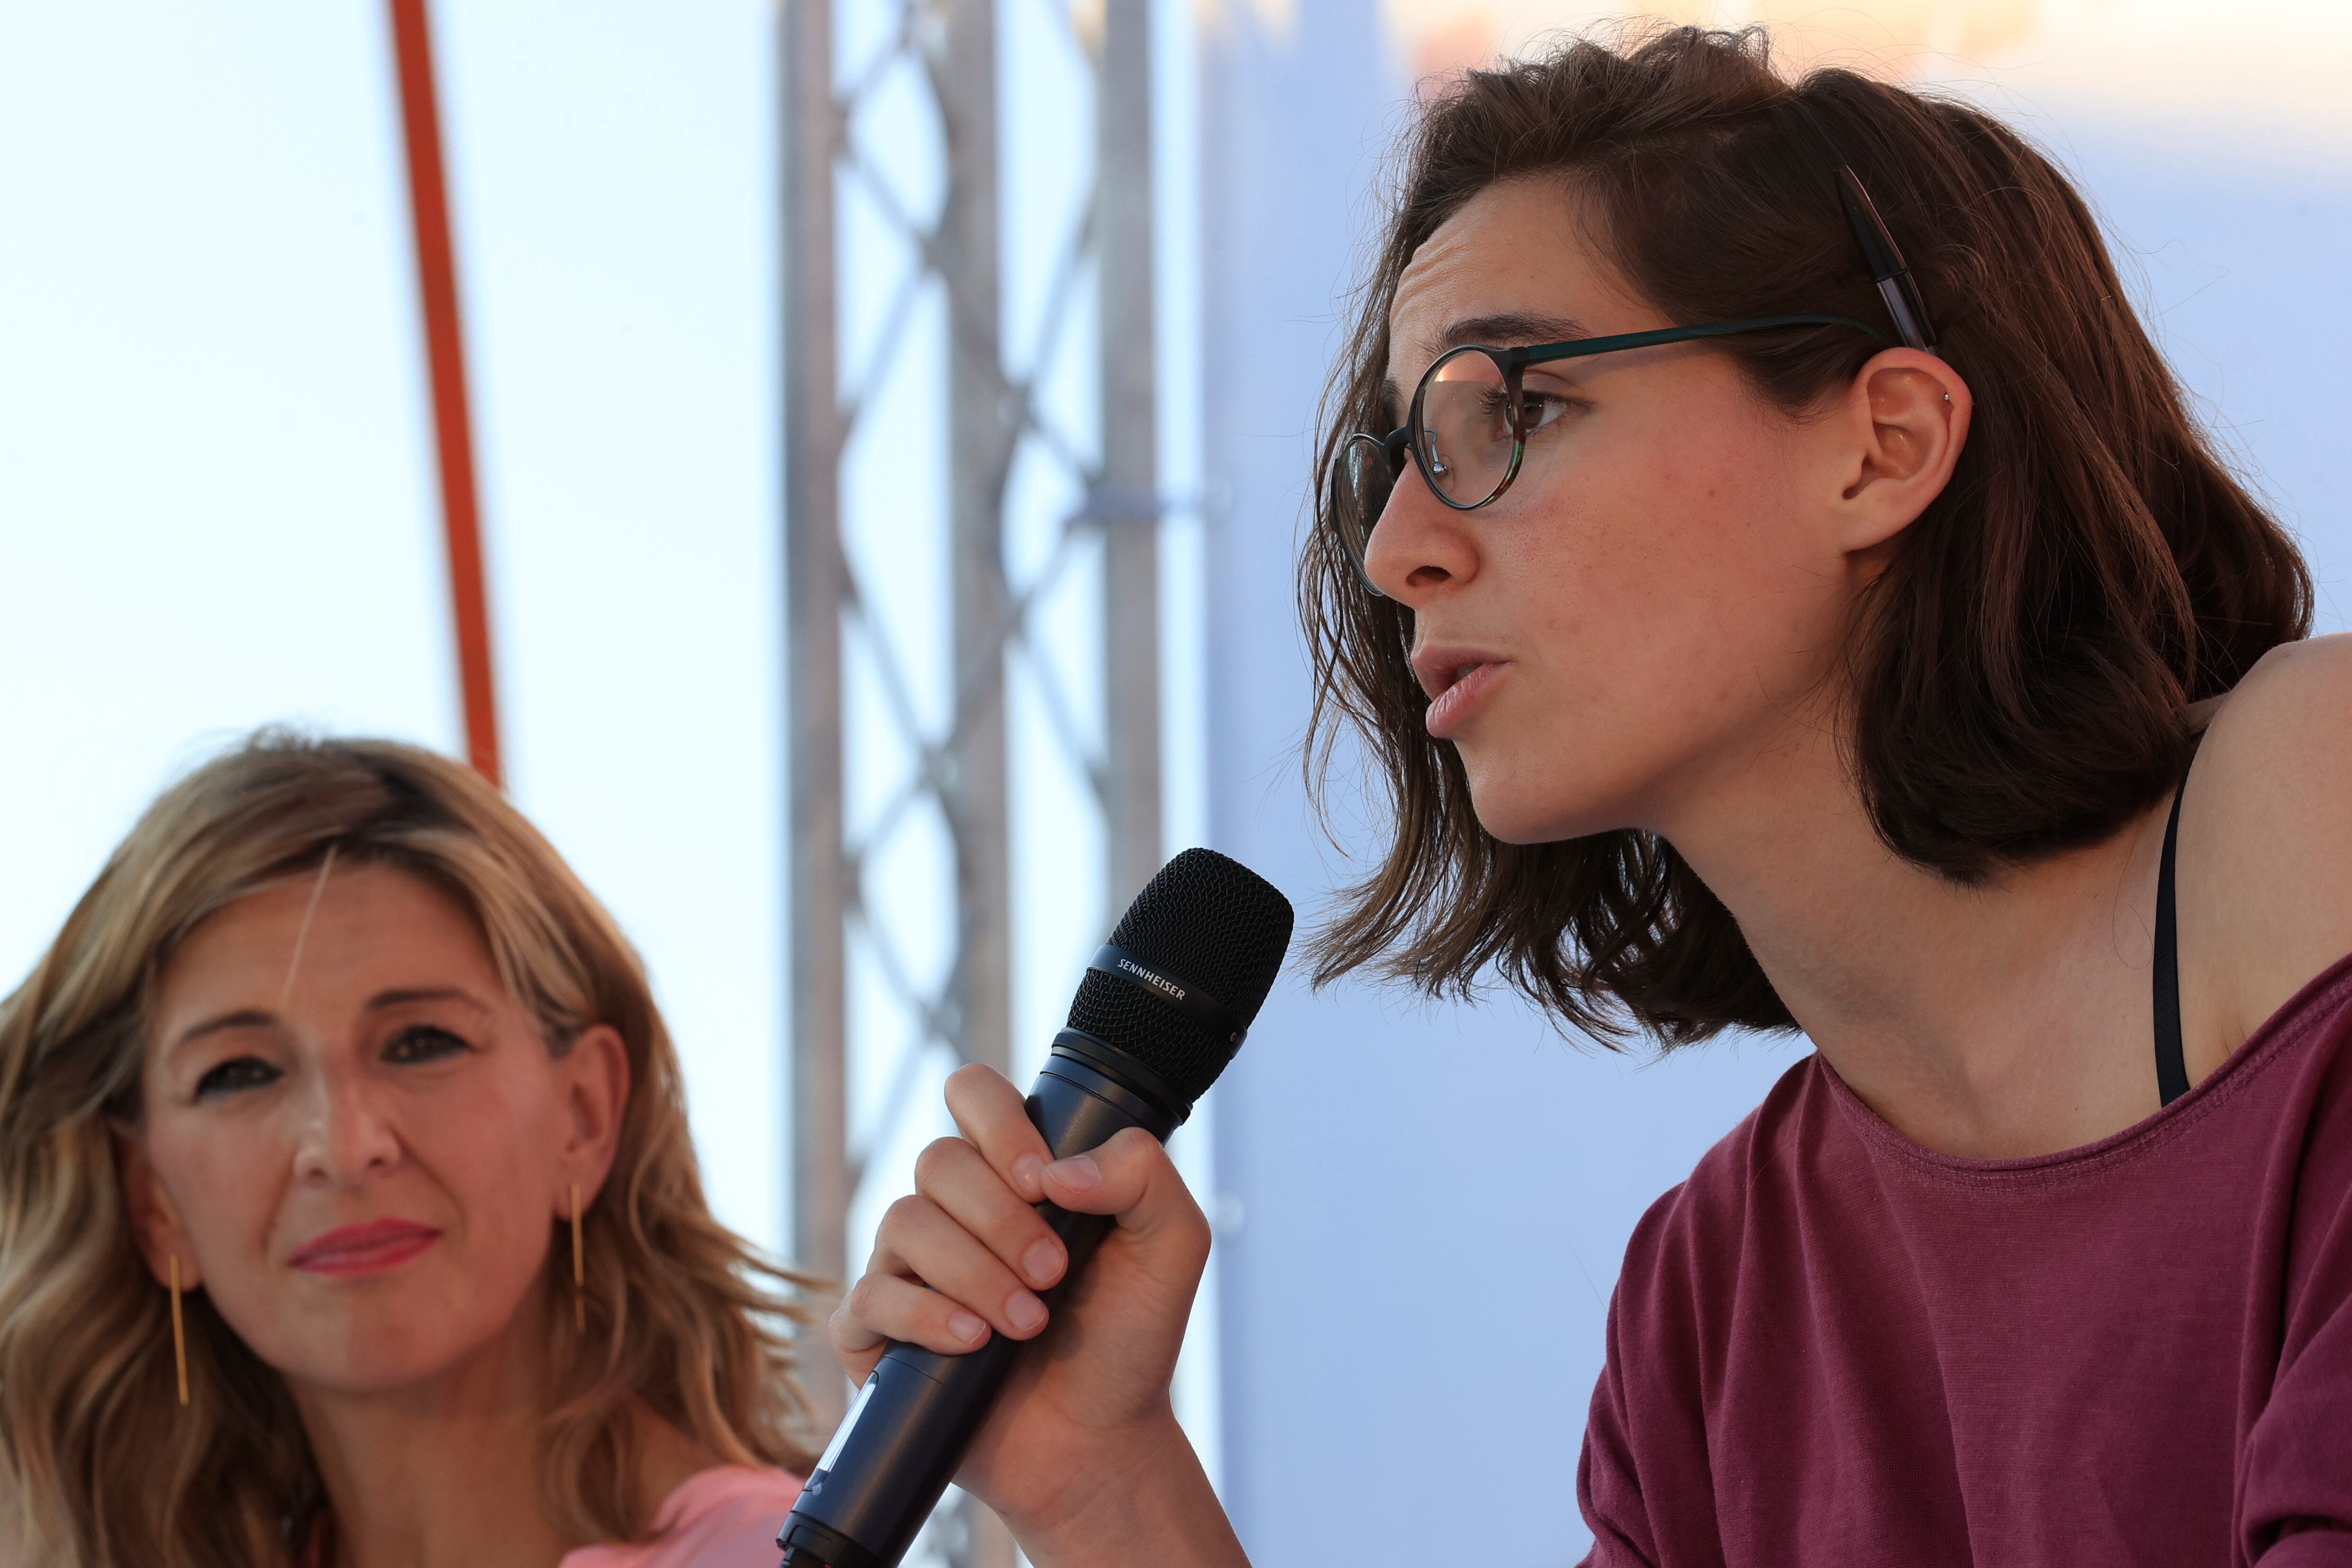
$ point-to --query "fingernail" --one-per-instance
(1024, 1311)
(967, 1326)
(1042, 1262)
(1078, 1171)
(1027, 1175)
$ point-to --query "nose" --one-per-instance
(346, 1135)
(1420, 543)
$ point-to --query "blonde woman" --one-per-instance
(347, 1213)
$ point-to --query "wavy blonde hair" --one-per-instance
(105, 1467)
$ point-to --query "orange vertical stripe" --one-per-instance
(436, 277)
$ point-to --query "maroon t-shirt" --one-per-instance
(1831, 1345)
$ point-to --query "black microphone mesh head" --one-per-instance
(1212, 923)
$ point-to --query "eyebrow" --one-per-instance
(255, 1018)
(1510, 330)
(244, 1017)
(401, 998)
(1507, 330)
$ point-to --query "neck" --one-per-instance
(2004, 1019)
(446, 1471)
(443, 1471)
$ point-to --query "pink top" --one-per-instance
(725, 1517)
(1832, 1345)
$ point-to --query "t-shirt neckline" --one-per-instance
(682, 1497)
(2257, 1051)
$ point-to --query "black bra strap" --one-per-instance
(2171, 1064)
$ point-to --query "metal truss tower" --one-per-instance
(901, 811)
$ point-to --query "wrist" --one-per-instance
(1144, 1503)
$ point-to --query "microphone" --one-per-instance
(1162, 1009)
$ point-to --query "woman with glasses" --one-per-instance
(1781, 587)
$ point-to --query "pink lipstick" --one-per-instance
(350, 1251)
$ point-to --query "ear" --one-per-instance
(1899, 429)
(595, 1077)
(155, 1225)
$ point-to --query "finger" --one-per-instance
(883, 1307)
(989, 1114)
(955, 1175)
(918, 1238)
(1131, 1177)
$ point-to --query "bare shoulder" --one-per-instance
(2265, 857)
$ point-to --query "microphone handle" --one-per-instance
(906, 1434)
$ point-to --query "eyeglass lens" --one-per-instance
(1362, 475)
(1463, 427)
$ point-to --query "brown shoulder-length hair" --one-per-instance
(104, 1464)
(2015, 678)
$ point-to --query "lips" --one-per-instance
(353, 1250)
(1460, 681)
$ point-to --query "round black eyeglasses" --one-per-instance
(1467, 427)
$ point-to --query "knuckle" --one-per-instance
(937, 1157)
(1192, 1233)
(904, 1213)
(1133, 1159)
(973, 1078)
(1135, 1144)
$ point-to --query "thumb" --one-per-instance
(1129, 1177)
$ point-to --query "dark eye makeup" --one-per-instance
(416, 1044)
(238, 1072)
(423, 1042)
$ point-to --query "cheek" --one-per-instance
(490, 1151)
(1673, 553)
(232, 1180)
(477, 1153)
(1652, 604)
(1686, 519)
(227, 1185)
(1623, 584)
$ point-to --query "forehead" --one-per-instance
(1518, 248)
(359, 921)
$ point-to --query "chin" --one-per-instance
(382, 1348)
(1528, 805)
(358, 1366)
(361, 1368)
(1530, 822)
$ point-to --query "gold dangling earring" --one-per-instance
(579, 1268)
(179, 1333)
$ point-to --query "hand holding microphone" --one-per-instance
(1073, 1437)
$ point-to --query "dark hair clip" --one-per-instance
(1894, 278)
